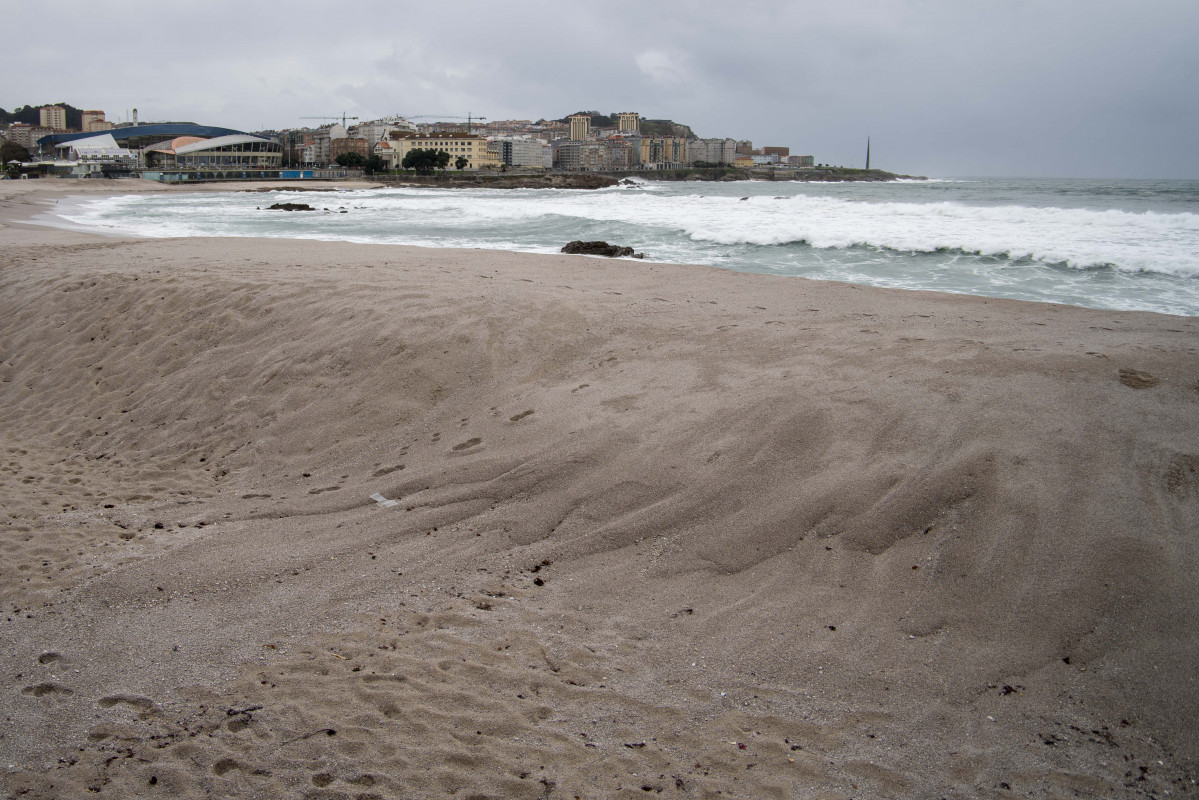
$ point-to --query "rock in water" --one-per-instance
(290, 207)
(578, 248)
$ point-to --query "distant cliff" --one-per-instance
(665, 128)
(810, 174)
(598, 180)
(491, 180)
(829, 174)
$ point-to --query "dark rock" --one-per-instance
(290, 207)
(578, 248)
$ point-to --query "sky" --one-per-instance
(1072, 88)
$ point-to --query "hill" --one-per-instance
(649, 127)
(30, 116)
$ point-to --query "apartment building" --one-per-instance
(666, 152)
(350, 144)
(508, 127)
(549, 131)
(94, 122)
(53, 117)
(711, 151)
(376, 131)
(594, 156)
(456, 143)
(580, 127)
(522, 151)
(322, 139)
(27, 135)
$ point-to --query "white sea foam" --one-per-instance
(1076, 238)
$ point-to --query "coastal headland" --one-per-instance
(290, 518)
(600, 180)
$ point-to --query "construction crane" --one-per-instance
(343, 118)
(470, 118)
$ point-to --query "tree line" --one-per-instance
(30, 115)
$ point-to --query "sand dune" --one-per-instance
(658, 530)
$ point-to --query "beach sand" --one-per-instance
(658, 530)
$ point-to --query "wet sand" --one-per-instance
(657, 529)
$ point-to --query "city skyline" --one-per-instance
(1083, 90)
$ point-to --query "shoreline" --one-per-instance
(22, 203)
(19, 210)
(671, 526)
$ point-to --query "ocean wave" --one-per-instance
(885, 234)
(1078, 238)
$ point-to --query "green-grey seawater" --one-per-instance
(1104, 244)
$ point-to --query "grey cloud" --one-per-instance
(1095, 88)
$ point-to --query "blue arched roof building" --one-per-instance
(135, 137)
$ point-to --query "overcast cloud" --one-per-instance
(1086, 88)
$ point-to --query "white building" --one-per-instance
(376, 131)
(96, 149)
(321, 138)
(711, 151)
(602, 156)
(522, 151)
(83, 157)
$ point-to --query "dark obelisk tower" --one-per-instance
(867, 152)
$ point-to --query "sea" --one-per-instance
(1112, 244)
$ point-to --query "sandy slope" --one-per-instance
(660, 530)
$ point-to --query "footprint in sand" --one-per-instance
(520, 416)
(225, 765)
(142, 704)
(324, 489)
(381, 471)
(1135, 379)
(44, 689)
(469, 443)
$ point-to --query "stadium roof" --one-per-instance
(138, 136)
(220, 141)
(170, 145)
(100, 144)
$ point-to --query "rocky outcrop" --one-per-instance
(809, 174)
(290, 207)
(579, 248)
(832, 175)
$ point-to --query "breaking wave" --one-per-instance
(1056, 242)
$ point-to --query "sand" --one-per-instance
(657, 530)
